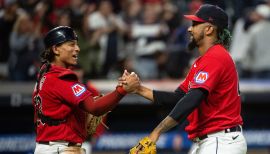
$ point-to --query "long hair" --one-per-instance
(224, 37)
(47, 57)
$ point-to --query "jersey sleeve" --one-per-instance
(208, 74)
(71, 92)
(186, 83)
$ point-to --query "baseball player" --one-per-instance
(61, 101)
(208, 97)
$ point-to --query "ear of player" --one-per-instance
(145, 146)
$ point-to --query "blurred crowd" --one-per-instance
(146, 36)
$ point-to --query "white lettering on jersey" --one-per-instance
(78, 89)
(42, 82)
(201, 77)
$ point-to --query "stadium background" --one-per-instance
(134, 116)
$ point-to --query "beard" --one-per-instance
(195, 42)
(192, 44)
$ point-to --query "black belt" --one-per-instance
(70, 144)
(228, 130)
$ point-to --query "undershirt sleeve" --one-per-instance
(187, 104)
(163, 98)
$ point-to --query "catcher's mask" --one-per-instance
(59, 35)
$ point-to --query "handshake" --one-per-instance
(130, 82)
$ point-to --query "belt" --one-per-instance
(69, 144)
(228, 130)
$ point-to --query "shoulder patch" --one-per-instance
(201, 77)
(78, 89)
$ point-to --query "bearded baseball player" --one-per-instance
(208, 97)
(61, 102)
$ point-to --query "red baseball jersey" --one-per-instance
(60, 94)
(100, 128)
(215, 72)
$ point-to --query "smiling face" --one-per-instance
(66, 54)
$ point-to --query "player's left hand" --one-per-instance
(145, 146)
(122, 80)
(129, 81)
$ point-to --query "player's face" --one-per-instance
(67, 53)
(196, 32)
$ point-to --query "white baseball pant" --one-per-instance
(220, 143)
(57, 148)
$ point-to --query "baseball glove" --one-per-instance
(145, 146)
(92, 123)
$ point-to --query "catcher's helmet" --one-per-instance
(59, 35)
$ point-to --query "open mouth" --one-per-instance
(75, 57)
(191, 37)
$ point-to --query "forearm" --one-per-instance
(163, 127)
(146, 93)
(180, 112)
(103, 104)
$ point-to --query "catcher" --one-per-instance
(209, 96)
(61, 102)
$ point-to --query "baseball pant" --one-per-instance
(58, 148)
(220, 143)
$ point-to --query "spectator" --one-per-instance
(8, 17)
(63, 18)
(28, 5)
(25, 46)
(149, 46)
(106, 27)
(131, 11)
(89, 54)
(46, 15)
(77, 9)
(178, 56)
(239, 41)
(257, 55)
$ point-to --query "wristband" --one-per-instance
(121, 90)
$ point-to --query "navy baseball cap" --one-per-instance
(212, 14)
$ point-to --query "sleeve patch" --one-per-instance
(78, 89)
(201, 77)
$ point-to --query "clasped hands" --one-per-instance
(129, 81)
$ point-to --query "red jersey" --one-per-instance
(215, 72)
(60, 94)
(100, 128)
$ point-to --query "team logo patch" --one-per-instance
(78, 89)
(201, 77)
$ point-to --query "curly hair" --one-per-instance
(224, 37)
(47, 55)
